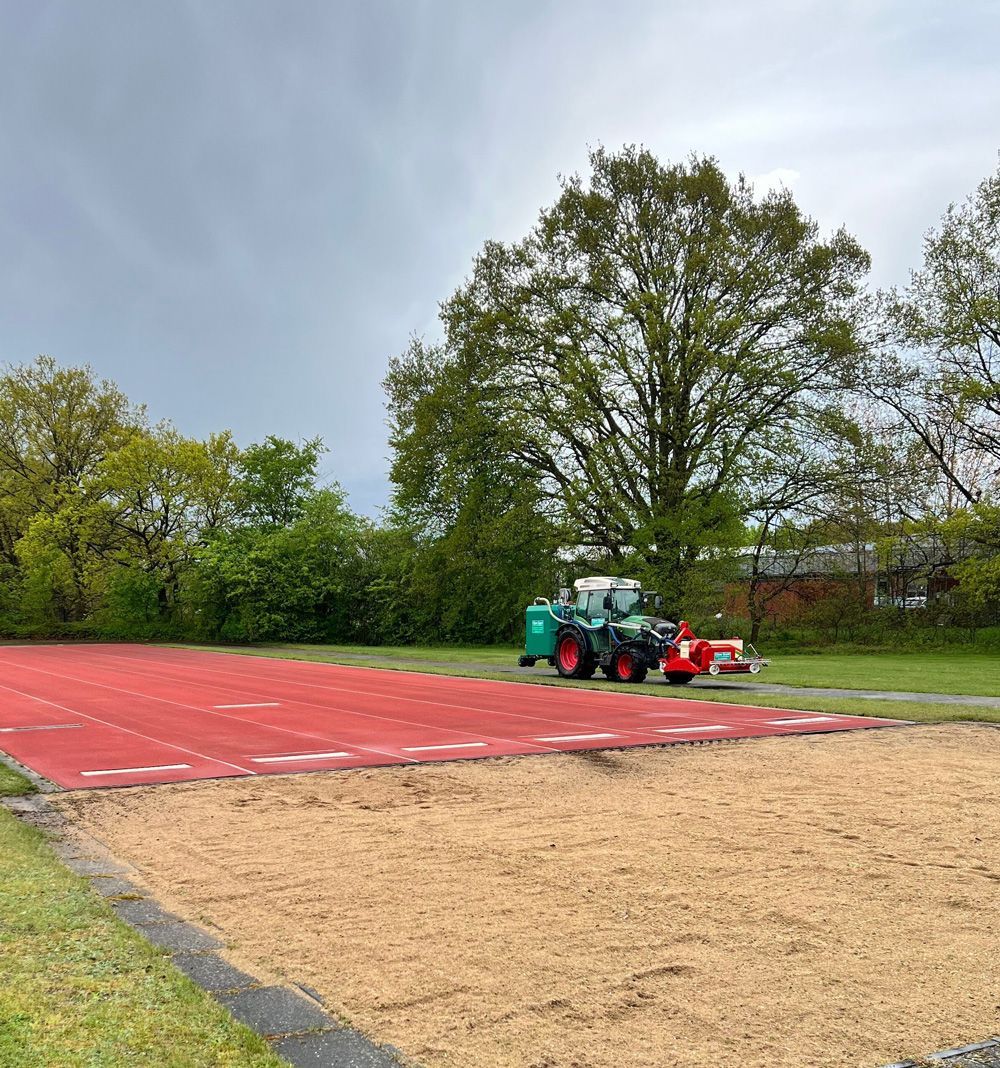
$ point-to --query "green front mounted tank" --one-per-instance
(540, 632)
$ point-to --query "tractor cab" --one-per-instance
(610, 600)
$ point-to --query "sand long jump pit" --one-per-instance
(825, 900)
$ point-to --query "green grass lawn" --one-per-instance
(79, 989)
(466, 654)
(422, 658)
(958, 673)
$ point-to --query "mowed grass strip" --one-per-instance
(79, 989)
(918, 711)
(956, 672)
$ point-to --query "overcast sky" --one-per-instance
(239, 210)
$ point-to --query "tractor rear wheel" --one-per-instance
(573, 659)
(627, 667)
(678, 678)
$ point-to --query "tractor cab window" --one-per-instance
(585, 601)
(590, 604)
(627, 603)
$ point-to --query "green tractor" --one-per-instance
(606, 626)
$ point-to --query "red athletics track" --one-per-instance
(120, 715)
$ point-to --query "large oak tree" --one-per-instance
(656, 328)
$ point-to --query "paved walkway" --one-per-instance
(379, 660)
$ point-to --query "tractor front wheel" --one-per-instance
(627, 667)
(573, 659)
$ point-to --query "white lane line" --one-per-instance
(183, 662)
(299, 756)
(436, 702)
(801, 719)
(243, 676)
(260, 704)
(688, 730)
(451, 745)
(574, 737)
(113, 725)
(42, 727)
(135, 771)
(176, 704)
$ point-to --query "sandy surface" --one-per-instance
(831, 900)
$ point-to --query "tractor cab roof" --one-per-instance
(606, 582)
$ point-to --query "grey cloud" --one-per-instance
(240, 210)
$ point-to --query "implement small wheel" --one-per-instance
(573, 659)
(626, 666)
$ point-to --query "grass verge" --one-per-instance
(78, 988)
(932, 672)
(13, 783)
(918, 711)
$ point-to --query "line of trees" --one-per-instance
(670, 377)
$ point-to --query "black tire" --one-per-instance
(679, 678)
(627, 665)
(573, 659)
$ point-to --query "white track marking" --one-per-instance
(41, 727)
(124, 730)
(450, 745)
(256, 679)
(803, 719)
(397, 697)
(299, 756)
(575, 737)
(578, 693)
(689, 730)
(175, 704)
(251, 677)
(305, 702)
(261, 704)
(135, 771)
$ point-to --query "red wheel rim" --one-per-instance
(569, 654)
(625, 665)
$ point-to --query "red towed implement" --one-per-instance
(690, 656)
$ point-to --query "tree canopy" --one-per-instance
(671, 376)
(633, 356)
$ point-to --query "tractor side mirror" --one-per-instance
(658, 601)
(609, 602)
(565, 595)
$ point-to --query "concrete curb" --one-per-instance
(978, 1055)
